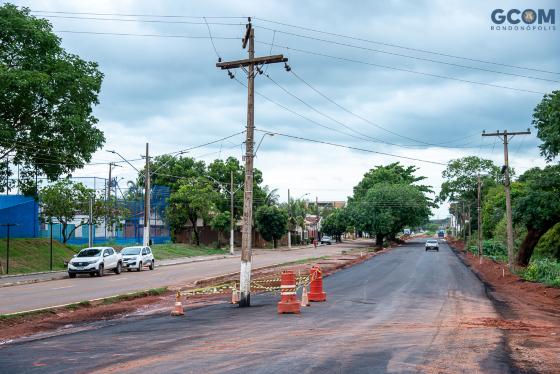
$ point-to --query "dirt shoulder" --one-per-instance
(161, 300)
(530, 313)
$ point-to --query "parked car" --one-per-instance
(432, 244)
(327, 240)
(137, 258)
(94, 261)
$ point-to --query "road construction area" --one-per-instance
(406, 310)
(26, 297)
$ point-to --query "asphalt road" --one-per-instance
(404, 311)
(65, 291)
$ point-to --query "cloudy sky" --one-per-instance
(394, 84)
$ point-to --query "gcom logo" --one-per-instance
(545, 19)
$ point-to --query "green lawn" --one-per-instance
(176, 250)
(33, 255)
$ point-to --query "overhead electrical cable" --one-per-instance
(404, 47)
(348, 147)
(411, 57)
(400, 69)
(367, 120)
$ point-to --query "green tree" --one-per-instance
(65, 200)
(546, 118)
(271, 222)
(336, 224)
(461, 184)
(393, 173)
(220, 222)
(387, 208)
(387, 199)
(193, 199)
(171, 170)
(538, 209)
(46, 100)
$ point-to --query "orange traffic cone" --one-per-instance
(304, 297)
(178, 311)
(234, 295)
(316, 285)
(288, 301)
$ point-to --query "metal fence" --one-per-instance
(22, 214)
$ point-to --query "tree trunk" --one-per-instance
(274, 243)
(64, 234)
(379, 240)
(195, 230)
(529, 243)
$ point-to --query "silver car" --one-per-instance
(137, 258)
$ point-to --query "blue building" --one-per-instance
(23, 211)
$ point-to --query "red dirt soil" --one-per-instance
(530, 313)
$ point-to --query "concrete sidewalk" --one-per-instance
(18, 279)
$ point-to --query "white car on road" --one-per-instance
(94, 261)
(137, 258)
(432, 244)
(328, 240)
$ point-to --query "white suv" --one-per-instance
(95, 261)
(137, 258)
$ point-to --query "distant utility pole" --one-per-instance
(147, 199)
(90, 228)
(289, 221)
(231, 216)
(479, 215)
(109, 187)
(317, 220)
(249, 66)
(504, 137)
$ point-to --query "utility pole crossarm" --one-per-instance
(500, 133)
(251, 61)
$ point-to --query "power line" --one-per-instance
(138, 15)
(393, 45)
(212, 40)
(146, 20)
(405, 47)
(329, 117)
(300, 36)
(368, 121)
(408, 56)
(400, 69)
(371, 139)
(350, 147)
(180, 36)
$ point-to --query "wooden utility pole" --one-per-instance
(249, 66)
(231, 217)
(506, 137)
(289, 221)
(90, 228)
(479, 224)
(147, 208)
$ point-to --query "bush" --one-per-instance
(543, 270)
(549, 244)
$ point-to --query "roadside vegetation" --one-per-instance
(535, 203)
(33, 255)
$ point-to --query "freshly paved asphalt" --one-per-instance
(404, 311)
(27, 297)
